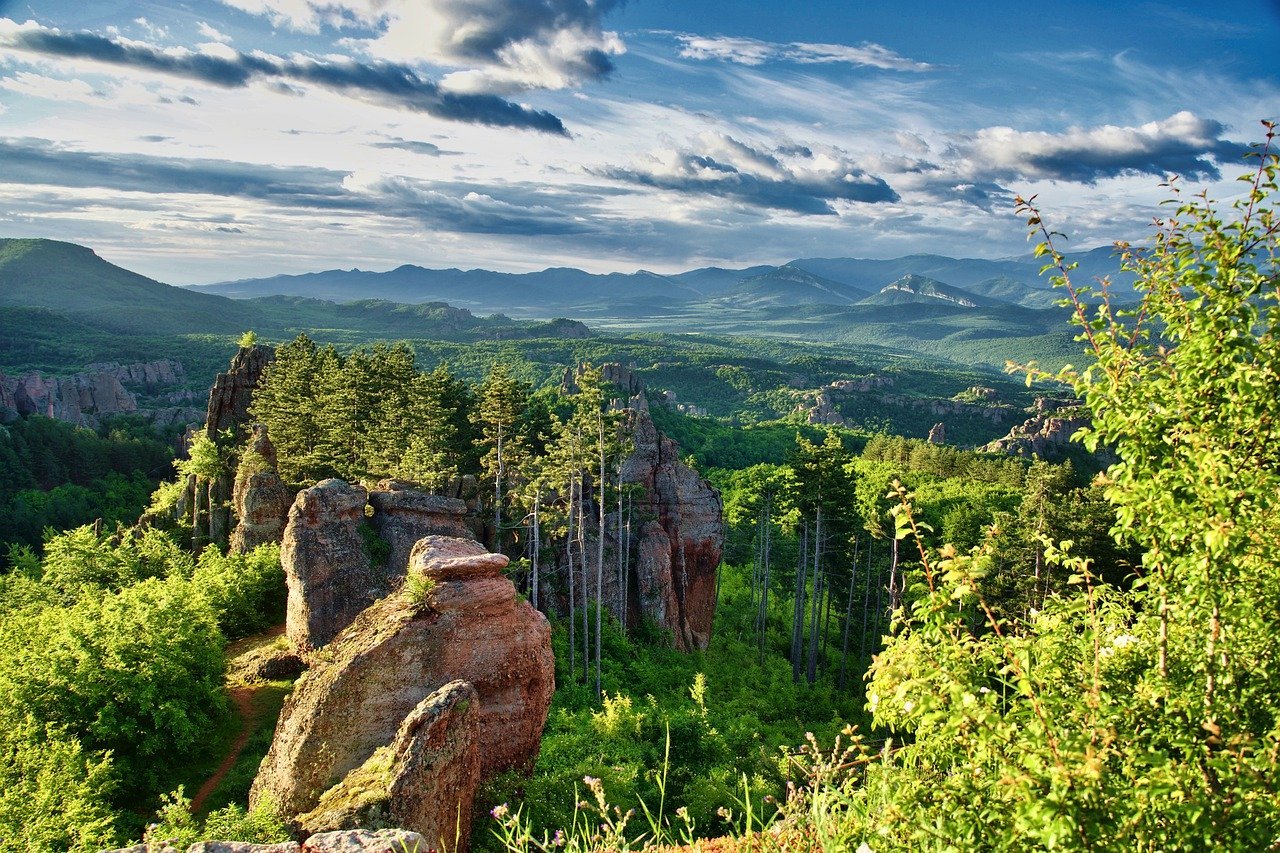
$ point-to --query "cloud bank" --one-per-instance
(384, 83)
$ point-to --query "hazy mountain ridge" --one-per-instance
(805, 281)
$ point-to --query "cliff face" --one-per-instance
(371, 678)
(100, 391)
(325, 564)
(663, 550)
(260, 501)
(678, 551)
(232, 390)
(1046, 434)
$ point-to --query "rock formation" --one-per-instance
(1045, 434)
(99, 391)
(425, 780)
(938, 434)
(260, 501)
(403, 514)
(232, 391)
(325, 563)
(462, 621)
(680, 541)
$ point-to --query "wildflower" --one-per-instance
(500, 812)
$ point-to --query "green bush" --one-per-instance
(245, 591)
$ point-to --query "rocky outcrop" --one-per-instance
(260, 500)
(1045, 435)
(325, 563)
(403, 514)
(938, 434)
(680, 541)
(425, 780)
(97, 392)
(232, 391)
(463, 621)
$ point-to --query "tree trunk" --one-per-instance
(497, 497)
(536, 541)
(815, 605)
(866, 607)
(848, 616)
(568, 552)
(797, 616)
(582, 563)
(600, 558)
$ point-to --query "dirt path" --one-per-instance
(242, 698)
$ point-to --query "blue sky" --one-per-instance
(203, 140)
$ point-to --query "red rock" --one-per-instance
(470, 626)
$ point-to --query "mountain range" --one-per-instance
(970, 311)
(963, 282)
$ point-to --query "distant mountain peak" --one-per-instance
(923, 286)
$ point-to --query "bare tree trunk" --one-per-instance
(895, 593)
(536, 541)
(815, 604)
(797, 616)
(568, 552)
(497, 497)
(848, 616)
(866, 607)
(582, 562)
(600, 557)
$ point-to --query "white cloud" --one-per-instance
(749, 51)
(152, 30)
(496, 45)
(213, 33)
(1183, 143)
(52, 89)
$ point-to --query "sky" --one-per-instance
(207, 140)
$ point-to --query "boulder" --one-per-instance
(260, 500)
(403, 514)
(367, 841)
(460, 620)
(325, 564)
(243, 847)
(425, 780)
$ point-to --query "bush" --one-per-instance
(245, 591)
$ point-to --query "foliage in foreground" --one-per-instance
(111, 665)
(1139, 718)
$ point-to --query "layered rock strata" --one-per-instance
(457, 618)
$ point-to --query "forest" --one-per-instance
(915, 646)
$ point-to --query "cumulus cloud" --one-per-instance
(444, 205)
(1183, 144)
(498, 45)
(749, 51)
(799, 179)
(385, 83)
